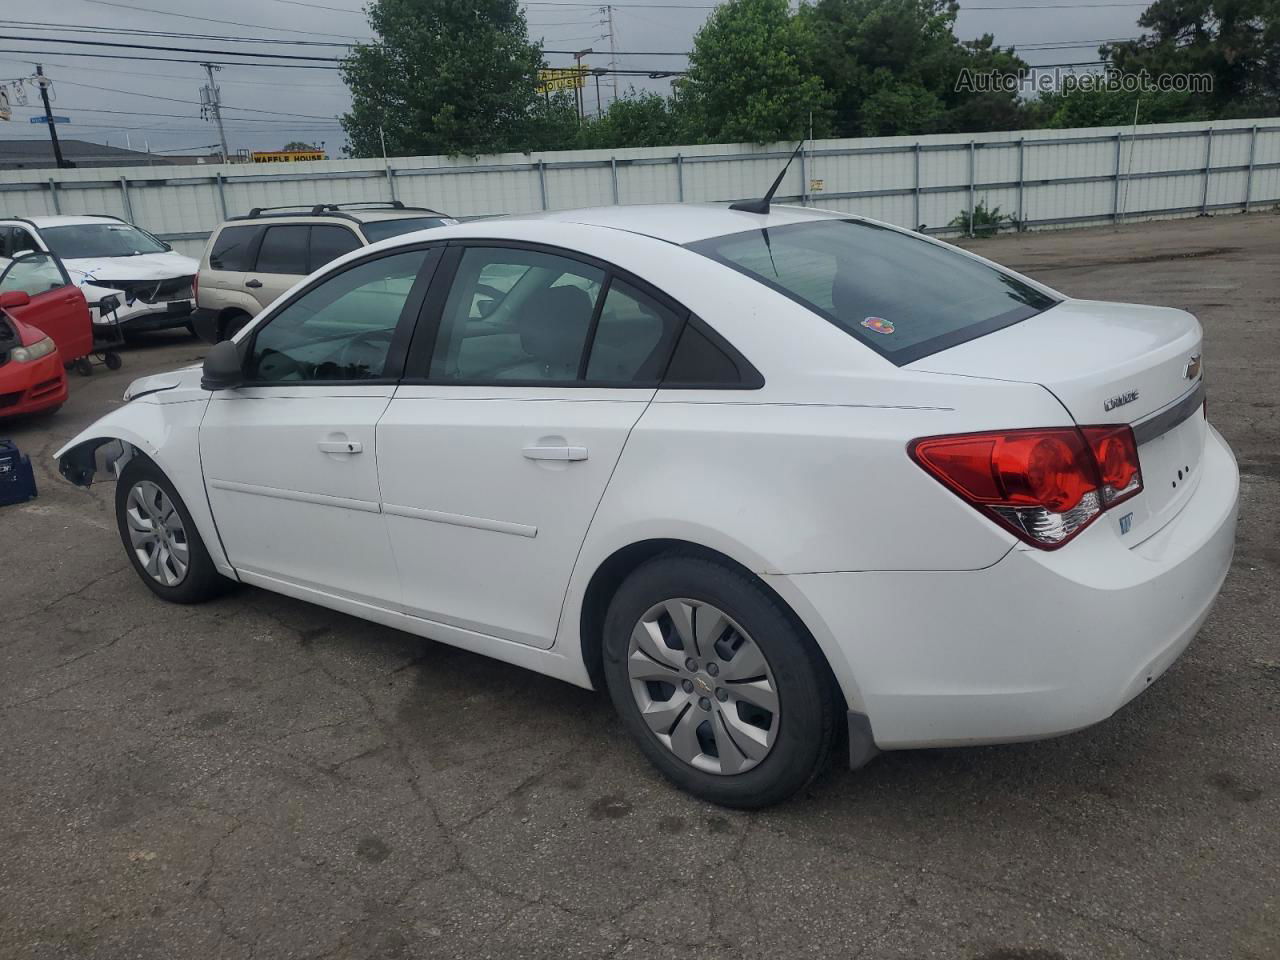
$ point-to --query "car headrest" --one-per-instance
(553, 324)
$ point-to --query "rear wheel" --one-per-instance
(231, 323)
(722, 690)
(160, 537)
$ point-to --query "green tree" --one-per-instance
(893, 67)
(299, 145)
(752, 77)
(1081, 107)
(637, 119)
(1235, 42)
(444, 77)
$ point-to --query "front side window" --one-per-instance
(340, 329)
(33, 274)
(84, 240)
(231, 249)
(515, 315)
(898, 293)
(284, 250)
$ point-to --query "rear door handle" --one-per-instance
(555, 453)
(255, 284)
(340, 446)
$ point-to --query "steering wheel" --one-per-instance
(374, 342)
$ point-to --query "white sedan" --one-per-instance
(776, 480)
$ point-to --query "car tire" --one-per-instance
(144, 498)
(724, 743)
(231, 323)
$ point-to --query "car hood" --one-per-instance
(145, 266)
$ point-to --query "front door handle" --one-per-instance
(555, 453)
(340, 446)
(255, 284)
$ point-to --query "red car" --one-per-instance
(44, 324)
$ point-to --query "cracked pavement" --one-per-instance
(257, 777)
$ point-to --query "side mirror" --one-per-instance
(108, 304)
(14, 298)
(223, 368)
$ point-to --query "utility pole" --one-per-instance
(43, 83)
(613, 51)
(578, 82)
(211, 105)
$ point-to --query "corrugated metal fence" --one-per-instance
(1043, 178)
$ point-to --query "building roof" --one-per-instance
(37, 153)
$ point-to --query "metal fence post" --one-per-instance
(542, 182)
(915, 193)
(804, 179)
(679, 178)
(1022, 150)
(1115, 185)
(973, 175)
(222, 196)
(1208, 158)
(124, 199)
(613, 168)
(391, 182)
(53, 196)
(1248, 177)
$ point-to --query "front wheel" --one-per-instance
(720, 687)
(160, 537)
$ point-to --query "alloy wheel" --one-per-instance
(703, 686)
(157, 535)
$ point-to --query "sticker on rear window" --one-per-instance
(878, 325)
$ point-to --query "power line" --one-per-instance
(194, 103)
(143, 46)
(136, 59)
(191, 16)
(126, 31)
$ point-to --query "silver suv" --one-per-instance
(251, 260)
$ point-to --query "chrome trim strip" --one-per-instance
(1158, 424)
(460, 520)
(299, 496)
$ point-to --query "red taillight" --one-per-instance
(1044, 485)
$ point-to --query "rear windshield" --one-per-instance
(376, 230)
(898, 293)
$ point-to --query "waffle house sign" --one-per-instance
(287, 156)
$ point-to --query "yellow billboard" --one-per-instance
(566, 78)
(287, 156)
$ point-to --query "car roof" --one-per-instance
(65, 221)
(683, 223)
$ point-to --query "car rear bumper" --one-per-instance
(1038, 644)
(32, 387)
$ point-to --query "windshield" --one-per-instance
(85, 240)
(902, 295)
(376, 230)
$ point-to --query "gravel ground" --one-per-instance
(262, 778)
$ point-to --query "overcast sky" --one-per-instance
(127, 102)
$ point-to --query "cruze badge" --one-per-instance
(1120, 400)
(1192, 369)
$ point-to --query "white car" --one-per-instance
(107, 257)
(776, 481)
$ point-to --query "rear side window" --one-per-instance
(898, 293)
(698, 361)
(376, 230)
(284, 250)
(633, 337)
(231, 249)
(329, 243)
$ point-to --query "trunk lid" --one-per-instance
(1109, 363)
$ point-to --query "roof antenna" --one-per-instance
(762, 205)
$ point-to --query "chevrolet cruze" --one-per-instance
(776, 480)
